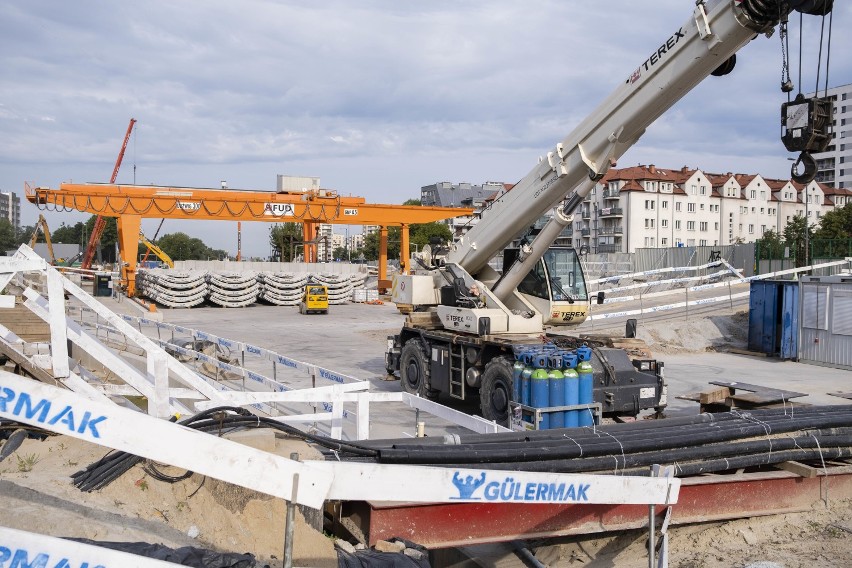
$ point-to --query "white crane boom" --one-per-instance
(706, 41)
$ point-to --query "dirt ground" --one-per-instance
(37, 496)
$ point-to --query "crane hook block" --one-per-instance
(808, 174)
(806, 123)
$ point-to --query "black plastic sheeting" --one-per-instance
(185, 556)
(376, 559)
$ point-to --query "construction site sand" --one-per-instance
(37, 496)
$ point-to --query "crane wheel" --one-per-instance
(414, 369)
(496, 390)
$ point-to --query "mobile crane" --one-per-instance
(476, 315)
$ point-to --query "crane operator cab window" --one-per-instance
(557, 277)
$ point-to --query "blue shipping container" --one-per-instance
(773, 318)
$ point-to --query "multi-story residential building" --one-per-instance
(10, 208)
(325, 248)
(356, 242)
(646, 206)
(448, 194)
(834, 166)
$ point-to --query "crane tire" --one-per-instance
(496, 390)
(414, 369)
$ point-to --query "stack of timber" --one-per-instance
(24, 323)
(281, 288)
(173, 288)
(232, 289)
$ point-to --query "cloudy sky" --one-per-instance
(375, 97)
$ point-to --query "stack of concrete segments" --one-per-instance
(232, 289)
(173, 288)
(340, 286)
(281, 288)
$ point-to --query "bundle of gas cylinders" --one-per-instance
(545, 376)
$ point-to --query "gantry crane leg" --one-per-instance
(128, 243)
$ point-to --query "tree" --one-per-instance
(770, 246)
(69, 234)
(794, 237)
(24, 234)
(836, 224)
(180, 246)
(7, 235)
(285, 239)
(340, 253)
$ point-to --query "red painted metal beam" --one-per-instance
(708, 498)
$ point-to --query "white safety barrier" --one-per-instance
(652, 272)
(20, 549)
(66, 413)
(729, 284)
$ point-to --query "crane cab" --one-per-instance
(555, 287)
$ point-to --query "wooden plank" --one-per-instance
(767, 391)
(714, 396)
(747, 352)
(799, 469)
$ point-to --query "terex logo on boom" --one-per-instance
(657, 56)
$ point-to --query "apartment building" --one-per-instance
(834, 166)
(10, 208)
(646, 207)
(448, 194)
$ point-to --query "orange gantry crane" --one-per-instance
(131, 203)
(100, 220)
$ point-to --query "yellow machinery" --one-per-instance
(42, 224)
(158, 252)
(314, 300)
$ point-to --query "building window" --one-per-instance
(753, 194)
(677, 206)
(664, 223)
(690, 225)
(665, 204)
(664, 242)
(715, 226)
(677, 224)
(702, 243)
(690, 207)
(751, 229)
(702, 226)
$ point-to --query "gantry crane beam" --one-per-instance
(132, 203)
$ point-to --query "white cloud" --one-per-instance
(376, 97)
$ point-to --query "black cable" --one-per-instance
(224, 418)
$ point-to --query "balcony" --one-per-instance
(586, 214)
(611, 194)
(617, 230)
(585, 232)
(611, 212)
(609, 248)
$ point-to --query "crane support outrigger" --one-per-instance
(479, 314)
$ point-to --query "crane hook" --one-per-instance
(809, 173)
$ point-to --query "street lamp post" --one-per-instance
(807, 223)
